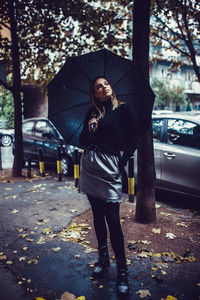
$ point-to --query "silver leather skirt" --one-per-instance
(99, 176)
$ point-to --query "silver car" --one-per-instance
(176, 139)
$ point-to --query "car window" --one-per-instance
(157, 129)
(183, 132)
(27, 128)
(42, 128)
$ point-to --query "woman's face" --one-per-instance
(102, 89)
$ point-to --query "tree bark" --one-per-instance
(18, 157)
(145, 205)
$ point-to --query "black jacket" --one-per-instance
(116, 132)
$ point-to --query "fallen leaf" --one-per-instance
(164, 272)
(9, 262)
(56, 249)
(41, 240)
(170, 235)
(67, 296)
(89, 250)
(2, 257)
(146, 242)
(40, 298)
(101, 286)
(14, 211)
(182, 224)
(29, 240)
(156, 230)
(158, 205)
(170, 298)
(47, 230)
(143, 293)
(33, 260)
(132, 242)
(22, 258)
(81, 298)
(165, 214)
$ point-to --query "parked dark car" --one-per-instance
(40, 133)
(176, 140)
(6, 137)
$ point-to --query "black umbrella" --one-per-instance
(68, 92)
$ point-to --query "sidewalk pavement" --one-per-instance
(38, 257)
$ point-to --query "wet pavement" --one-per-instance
(39, 262)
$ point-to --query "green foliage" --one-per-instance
(6, 107)
(50, 31)
(167, 97)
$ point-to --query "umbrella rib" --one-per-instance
(68, 108)
(73, 62)
(74, 133)
(123, 76)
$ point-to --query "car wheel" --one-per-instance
(66, 166)
(6, 140)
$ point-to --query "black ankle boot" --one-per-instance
(122, 278)
(102, 262)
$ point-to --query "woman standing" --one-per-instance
(109, 128)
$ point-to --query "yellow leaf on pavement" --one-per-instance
(81, 298)
(40, 298)
(47, 230)
(170, 298)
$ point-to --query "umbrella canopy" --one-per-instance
(68, 92)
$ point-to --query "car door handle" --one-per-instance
(169, 155)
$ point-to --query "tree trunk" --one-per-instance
(145, 206)
(18, 158)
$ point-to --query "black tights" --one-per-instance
(108, 212)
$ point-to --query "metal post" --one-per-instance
(59, 164)
(76, 167)
(131, 180)
(41, 163)
(29, 168)
(0, 160)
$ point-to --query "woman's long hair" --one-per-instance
(97, 104)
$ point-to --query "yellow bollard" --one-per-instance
(131, 180)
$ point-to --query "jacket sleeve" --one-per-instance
(130, 134)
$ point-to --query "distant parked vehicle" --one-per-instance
(40, 133)
(6, 137)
